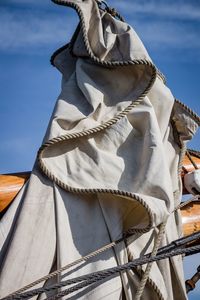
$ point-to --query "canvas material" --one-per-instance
(48, 227)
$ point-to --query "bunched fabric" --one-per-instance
(108, 167)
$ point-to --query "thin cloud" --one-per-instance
(168, 34)
(29, 31)
(170, 9)
(170, 25)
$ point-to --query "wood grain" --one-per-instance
(10, 185)
(188, 166)
(191, 217)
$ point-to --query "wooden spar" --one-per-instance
(188, 166)
(10, 185)
(190, 214)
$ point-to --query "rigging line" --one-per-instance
(82, 259)
(72, 264)
(88, 279)
(105, 273)
(113, 271)
(193, 152)
(180, 243)
(147, 271)
(191, 159)
(182, 204)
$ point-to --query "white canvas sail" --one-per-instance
(108, 168)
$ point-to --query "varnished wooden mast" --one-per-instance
(10, 185)
(191, 217)
(188, 166)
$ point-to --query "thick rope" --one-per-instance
(68, 266)
(113, 272)
(52, 176)
(90, 255)
(166, 249)
(180, 243)
(95, 253)
(100, 275)
(174, 245)
(194, 115)
(109, 123)
(103, 126)
(182, 204)
(182, 155)
(145, 276)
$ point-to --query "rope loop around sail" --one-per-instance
(102, 275)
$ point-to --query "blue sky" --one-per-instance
(30, 31)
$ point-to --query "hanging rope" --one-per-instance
(149, 265)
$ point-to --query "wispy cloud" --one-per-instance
(171, 9)
(159, 23)
(165, 25)
(168, 34)
(29, 31)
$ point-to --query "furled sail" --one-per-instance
(109, 168)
